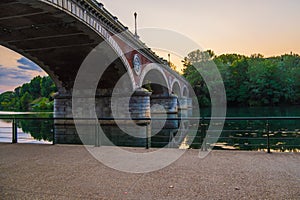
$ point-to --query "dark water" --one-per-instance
(284, 111)
(236, 134)
(252, 134)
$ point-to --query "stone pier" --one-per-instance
(182, 103)
(140, 105)
(189, 103)
(164, 104)
(104, 107)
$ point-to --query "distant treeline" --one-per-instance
(34, 96)
(249, 81)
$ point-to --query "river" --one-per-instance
(244, 135)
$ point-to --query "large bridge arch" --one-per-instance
(57, 36)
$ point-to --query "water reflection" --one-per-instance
(29, 130)
(171, 133)
(41, 130)
(252, 135)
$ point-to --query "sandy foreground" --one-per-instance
(29, 171)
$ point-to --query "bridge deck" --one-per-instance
(70, 172)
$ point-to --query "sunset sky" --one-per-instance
(269, 27)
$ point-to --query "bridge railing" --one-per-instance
(238, 133)
(99, 19)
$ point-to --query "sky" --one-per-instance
(268, 27)
(16, 70)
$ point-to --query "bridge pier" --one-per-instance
(164, 104)
(189, 103)
(182, 103)
(65, 130)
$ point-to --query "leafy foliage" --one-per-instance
(34, 96)
(249, 81)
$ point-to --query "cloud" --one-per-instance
(12, 77)
(16, 70)
(28, 65)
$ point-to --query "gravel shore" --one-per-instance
(29, 171)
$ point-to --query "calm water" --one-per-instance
(252, 134)
(245, 135)
(29, 131)
(284, 111)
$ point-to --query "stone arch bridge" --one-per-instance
(59, 34)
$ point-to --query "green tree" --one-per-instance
(35, 87)
(199, 69)
(47, 87)
(252, 81)
(25, 101)
(36, 95)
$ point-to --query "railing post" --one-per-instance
(53, 132)
(97, 138)
(14, 131)
(148, 136)
(203, 134)
(268, 136)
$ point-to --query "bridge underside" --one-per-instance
(52, 38)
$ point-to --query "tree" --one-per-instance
(36, 95)
(47, 87)
(35, 87)
(25, 101)
(249, 81)
(198, 70)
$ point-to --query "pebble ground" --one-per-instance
(30, 171)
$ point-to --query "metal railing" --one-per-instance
(252, 133)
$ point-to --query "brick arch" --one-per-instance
(185, 91)
(150, 68)
(176, 89)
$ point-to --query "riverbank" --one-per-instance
(29, 171)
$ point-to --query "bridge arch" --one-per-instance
(154, 76)
(176, 88)
(57, 36)
(185, 92)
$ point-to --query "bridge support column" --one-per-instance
(164, 104)
(139, 105)
(182, 103)
(189, 102)
(65, 130)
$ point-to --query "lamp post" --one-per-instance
(135, 23)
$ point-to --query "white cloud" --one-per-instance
(16, 70)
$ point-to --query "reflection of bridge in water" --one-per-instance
(163, 131)
(59, 34)
(172, 132)
(243, 133)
